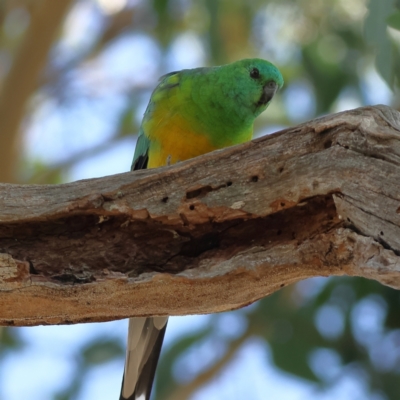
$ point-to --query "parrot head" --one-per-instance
(252, 83)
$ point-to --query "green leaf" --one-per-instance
(10, 339)
(394, 20)
(376, 35)
(102, 351)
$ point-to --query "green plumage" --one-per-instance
(208, 107)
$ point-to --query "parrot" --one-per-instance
(191, 112)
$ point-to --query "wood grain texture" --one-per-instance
(210, 234)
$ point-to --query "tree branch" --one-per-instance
(185, 391)
(210, 234)
(23, 76)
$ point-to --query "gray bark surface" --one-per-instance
(209, 234)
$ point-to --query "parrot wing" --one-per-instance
(163, 93)
(141, 156)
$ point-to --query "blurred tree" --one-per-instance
(75, 77)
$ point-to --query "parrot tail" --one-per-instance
(145, 337)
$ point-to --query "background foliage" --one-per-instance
(75, 77)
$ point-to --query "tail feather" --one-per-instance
(145, 337)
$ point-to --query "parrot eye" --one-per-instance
(255, 73)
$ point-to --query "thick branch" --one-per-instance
(210, 234)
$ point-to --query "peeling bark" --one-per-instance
(210, 234)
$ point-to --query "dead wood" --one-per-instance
(210, 234)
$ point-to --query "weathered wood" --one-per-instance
(210, 234)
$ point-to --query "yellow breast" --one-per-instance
(174, 140)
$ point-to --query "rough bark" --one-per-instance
(210, 234)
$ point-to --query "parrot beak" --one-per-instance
(269, 90)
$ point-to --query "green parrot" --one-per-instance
(191, 112)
